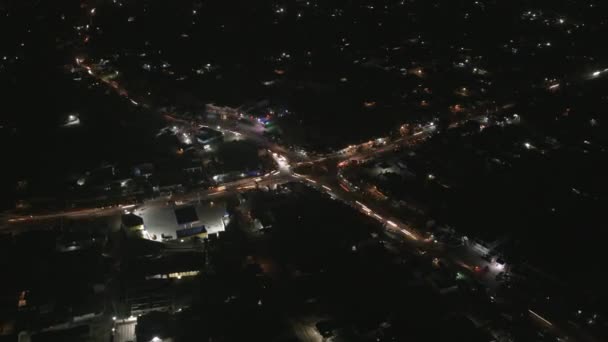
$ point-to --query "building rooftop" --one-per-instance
(165, 221)
(185, 215)
(132, 220)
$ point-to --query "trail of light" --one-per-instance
(539, 317)
(363, 207)
(344, 187)
(408, 233)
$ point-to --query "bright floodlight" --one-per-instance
(596, 73)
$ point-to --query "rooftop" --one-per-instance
(167, 221)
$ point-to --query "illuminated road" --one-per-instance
(225, 189)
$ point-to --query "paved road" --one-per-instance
(13, 222)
